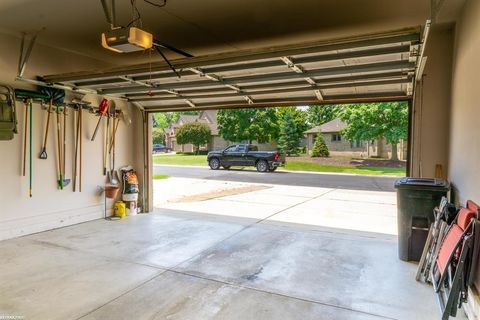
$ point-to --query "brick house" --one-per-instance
(338, 146)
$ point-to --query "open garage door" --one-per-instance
(370, 68)
(376, 67)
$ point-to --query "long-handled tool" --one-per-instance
(105, 148)
(112, 174)
(25, 132)
(75, 161)
(62, 182)
(43, 153)
(80, 115)
(28, 97)
(65, 181)
(59, 148)
(102, 110)
(30, 189)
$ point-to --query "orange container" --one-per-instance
(111, 192)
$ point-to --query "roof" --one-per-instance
(209, 117)
(184, 118)
(336, 125)
(211, 120)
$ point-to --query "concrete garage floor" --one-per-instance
(191, 265)
(178, 265)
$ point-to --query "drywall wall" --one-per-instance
(465, 113)
(432, 106)
(464, 155)
(50, 207)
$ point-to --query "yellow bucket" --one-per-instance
(119, 209)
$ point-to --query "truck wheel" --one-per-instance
(262, 166)
(226, 167)
(214, 164)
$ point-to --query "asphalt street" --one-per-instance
(325, 180)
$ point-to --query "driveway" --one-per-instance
(351, 203)
(313, 179)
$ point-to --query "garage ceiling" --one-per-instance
(367, 68)
(208, 27)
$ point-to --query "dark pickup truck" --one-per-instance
(244, 155)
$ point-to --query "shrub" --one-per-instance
(320, 149)
(195, 133)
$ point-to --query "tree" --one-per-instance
(320, 148)
(195, 133)
(299, 117)
(368, 121)
(166, 119)
(289, 139)
(318, 115)
(157, 136)
(250, 124)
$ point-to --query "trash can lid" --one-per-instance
(415, 183)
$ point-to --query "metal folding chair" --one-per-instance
(435, 236)
(449, 273)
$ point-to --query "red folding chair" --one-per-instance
(472, 266)
(449, 272)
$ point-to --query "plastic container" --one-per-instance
(416, 198)
(119, 209)
(132, 208)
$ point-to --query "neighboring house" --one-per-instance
(338, 146)
(208, 117)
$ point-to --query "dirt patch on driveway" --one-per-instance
(220, 193)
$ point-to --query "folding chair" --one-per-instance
(476, 244)
(435, 236)
(449, 272)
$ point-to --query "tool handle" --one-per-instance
(25, 128)
(96, 129)
(30, 143)
(48, 125)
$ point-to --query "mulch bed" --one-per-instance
(338, 161)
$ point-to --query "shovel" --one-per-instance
(43, 153)
(62, 182)
(112, 174)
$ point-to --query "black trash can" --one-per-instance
(416, 198)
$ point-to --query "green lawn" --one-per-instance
(160, 176)
(181, 159)
(189, 160)
(310, 166)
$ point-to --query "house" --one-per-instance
(339, 146)
(208, 117)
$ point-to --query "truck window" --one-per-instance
(231, 149)
(241, 148)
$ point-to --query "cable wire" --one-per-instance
(162, 3)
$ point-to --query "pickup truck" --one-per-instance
(245, 155)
